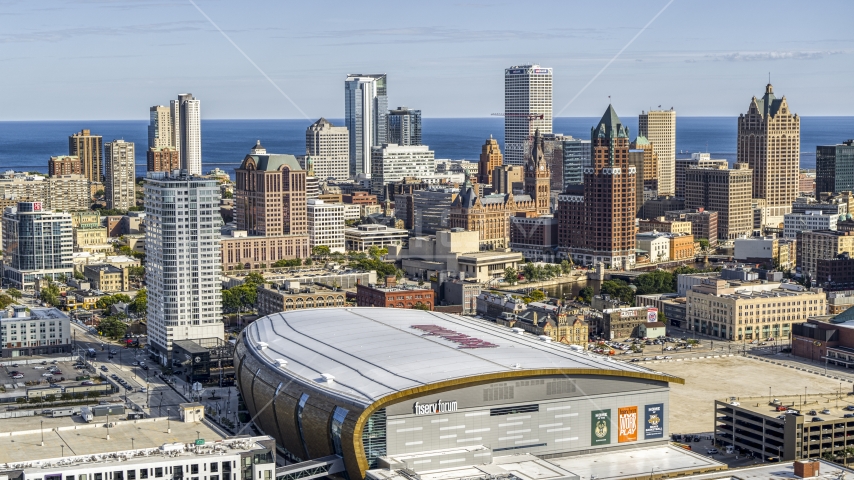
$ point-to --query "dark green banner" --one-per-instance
(600, 427)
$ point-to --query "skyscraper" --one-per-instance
(160, 127)
(90, 150)
(700, 160)
(329, 149)
(527, 91)
(576, 156)
(490, 157)
(182, 246)
(38, 242)
(392, 163)
(659, 127)
(119, 175)
(769, 142)
(834, 168)
(365, 108)
(270, 194)
(726, 191)
(187, 132)
(404, 126)
(596, 220)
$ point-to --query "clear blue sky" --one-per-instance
(112, 59)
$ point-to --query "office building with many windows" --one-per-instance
(182, 235)
(834, 168)
(365, 116)
(404, 126)
(187, 132)
(328, 147)
(89, 149)
(39, 242)
(527, 94)
(326, 224)
(659, 128)
(392, 163)
(120, 175)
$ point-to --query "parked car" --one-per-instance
(48, 375)
(135, 364)
(18, 376)
(87, 382)
(103, 368)
(712, 451)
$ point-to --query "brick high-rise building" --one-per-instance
(490, 157)
(769, 141)
(90, 150)
(270, 194)
(597, 219)
(166, 159)
(64, 165)
(120, 177)
(659, 127)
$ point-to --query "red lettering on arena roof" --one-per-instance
(465, 341)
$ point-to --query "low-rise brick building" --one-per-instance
(394, 296)
(294, 296)
(107, 278)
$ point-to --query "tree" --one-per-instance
(62, 278)
(137, 272)
(322, 251)
(656, 282)
(566, 267)
(99, 193)
(511, 276)
(50, 294)
(254, 279)
(5, 301)
(661, 317)
(586, 294)
(79, 275)
(113, 326)
(108, 301)
(14, 293)
(377, 252)
(296, 262)
(139, 304)
(227, 194)
(308, 262)
(618, 289)
(537, 295)
(421, 306)
(531, 272)
(704, 243)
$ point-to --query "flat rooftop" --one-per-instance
(827, 470)
(639, 462)
(834, 404)
(20, 438)
(374, 352)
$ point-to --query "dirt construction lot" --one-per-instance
(710, 379)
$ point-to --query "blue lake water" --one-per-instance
(28, 145)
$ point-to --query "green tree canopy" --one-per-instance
(321, 251)
(658, 281)
(5, 301)
(139, 304)
(113, 326)
(296, 262)
(108, 301)
(511, 276)
(14, 293)
(50, 294)
(586, 294)
(618, 289)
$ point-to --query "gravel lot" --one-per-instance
(710, 379)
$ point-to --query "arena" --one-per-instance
(372, 385)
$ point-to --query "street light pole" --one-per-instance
(42, 430)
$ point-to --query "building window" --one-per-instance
(335, 429)
(374, 437)
(302, 401)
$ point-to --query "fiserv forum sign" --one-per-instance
(433, 408)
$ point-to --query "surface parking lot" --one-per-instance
(34, 374)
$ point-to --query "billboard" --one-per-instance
(653, 421)
(652, 314)
(627, 420)
(600, 427)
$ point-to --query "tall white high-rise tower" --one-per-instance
(527, 91)
(187, 132)
(365, 116)
(182, 259)
(659, 127)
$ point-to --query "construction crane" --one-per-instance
(528, 116)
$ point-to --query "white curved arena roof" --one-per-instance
(374, 352)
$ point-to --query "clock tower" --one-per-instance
(538, 177)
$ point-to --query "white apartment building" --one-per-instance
(326, 224)
(328, 148)
(809, 221)
(182, 259)
(365, 116)
(392, 163)
(363, 237)
(659, 127)
(36, 331)
(527, 92)
(187, 132)
(119, 174)
(656, 244)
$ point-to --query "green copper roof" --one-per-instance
(769, 105)
(641, 140)
(609, 126)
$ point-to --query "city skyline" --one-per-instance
(683, 51)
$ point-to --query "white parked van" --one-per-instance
(729, 449)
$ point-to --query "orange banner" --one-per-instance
(627, 418)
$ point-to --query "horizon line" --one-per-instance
(336, 118)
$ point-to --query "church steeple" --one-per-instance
(538, 176)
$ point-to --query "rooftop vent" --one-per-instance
(545, 338)
(517, 330)
(263, 345)
(328, 377)
(282, 362)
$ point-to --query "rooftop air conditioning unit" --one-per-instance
(517, 330)
(263, 345)
(282, 362)
(328, 377)
(545, 338)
